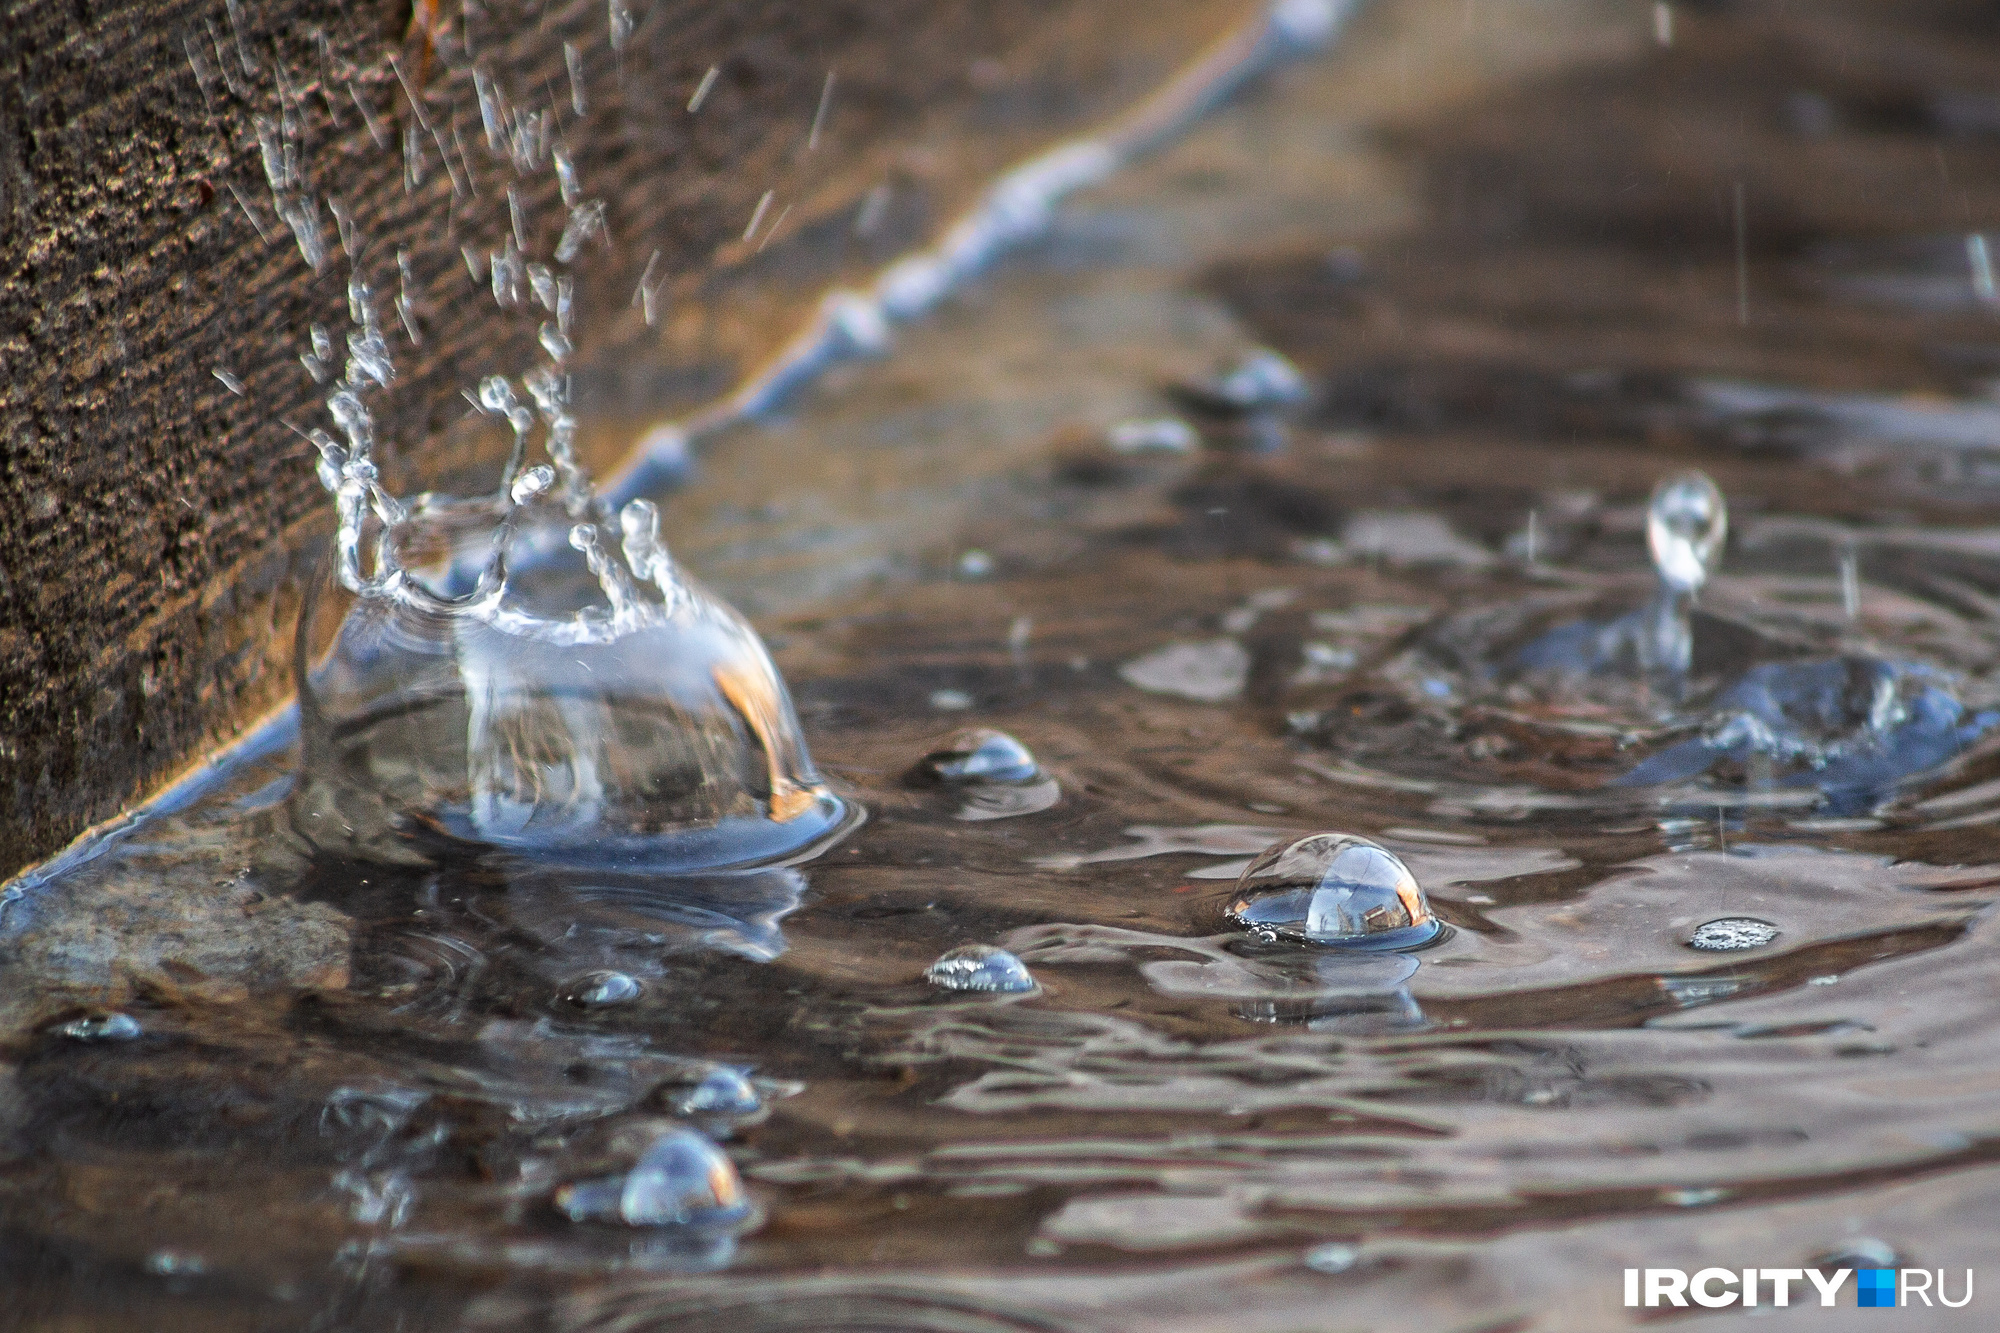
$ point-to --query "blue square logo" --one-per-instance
(1876, 1287)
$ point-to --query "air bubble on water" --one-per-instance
(602, 990)
(980, 967)
(175, 1263)
(1152, 435)
(679, 1179)
(979, 754)
(1332, 1258)
(1732, 932)
(995, 775)
(1686, 525)
(100, 1027)
(1261, 381)
(1333, 889)
(720, 1093)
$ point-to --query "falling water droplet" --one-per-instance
(1685, 528)
(1732, 932)
(100, 1027)
(601, 990)
(532, 484)
(980, 967)
(1333, 888)
(679, 1179)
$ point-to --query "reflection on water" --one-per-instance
(1710, 935)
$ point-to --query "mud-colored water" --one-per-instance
(1747, 1018)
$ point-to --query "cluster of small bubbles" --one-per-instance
(1732, 932)
(980, 967)
(99, 1027)
(679, 1179)
(1686, 525)
(1334, 889)
(602, 990)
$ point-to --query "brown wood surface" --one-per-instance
(154, 524)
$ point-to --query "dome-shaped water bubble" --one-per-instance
(1333, 888)
(1729, 933)
(980, 967)
(581, 713)
(678, 1178)
(995, 774)
(100, 1027)
(721, 1093)
(1686, 525)
(602, 989)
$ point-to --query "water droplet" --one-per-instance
(1332, 1258)
(722, 1092)
(532, 484)
(598, 990)
(975, 565)
(1732, 932)
(679, 1179)
(100, 1027)
(1685, 529)
(950, 701)
(980, 967)
(1333, 888)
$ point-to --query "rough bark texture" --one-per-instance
(154, 521)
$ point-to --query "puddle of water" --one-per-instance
(1003, 1059)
